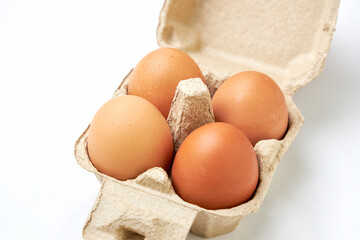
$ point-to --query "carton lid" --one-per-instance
(288, 40)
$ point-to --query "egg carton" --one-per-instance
(287, 40)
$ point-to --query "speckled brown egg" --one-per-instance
(127, 136)
(215, 167)
(254, 103)
(157, 75)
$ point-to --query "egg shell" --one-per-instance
(254, 103)
(128, 136)
(151, 197)
(215, 167)
(214, 33)
(156, 76)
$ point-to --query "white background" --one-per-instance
(61, 60)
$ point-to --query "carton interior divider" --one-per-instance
(288, 40)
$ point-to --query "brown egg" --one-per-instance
(128, 136)
(254, 103)
(157, 75)
(215, 167)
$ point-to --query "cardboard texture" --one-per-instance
(191, 108)
(288, 40)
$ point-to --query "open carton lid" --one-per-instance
(287, 40)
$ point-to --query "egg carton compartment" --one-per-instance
(149, 206)
(217, 35)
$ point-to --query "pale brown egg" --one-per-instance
(128, 136)
(215, 167)
(254, 103)
(157, 75)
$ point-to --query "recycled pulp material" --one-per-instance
(288, 40)
(191, 108)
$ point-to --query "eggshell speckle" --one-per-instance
(128, 136)
(254, 103)
(156, 76)
(215, 167)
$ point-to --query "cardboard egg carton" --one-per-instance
(287, 40)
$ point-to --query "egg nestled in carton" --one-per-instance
(224, 38)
